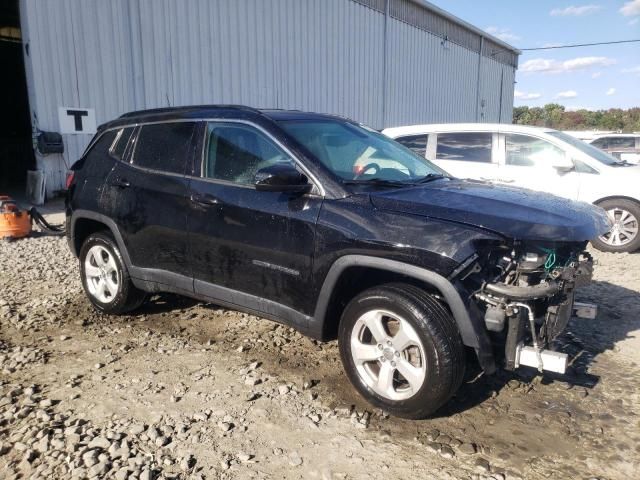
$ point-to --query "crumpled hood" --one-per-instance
(512, 212)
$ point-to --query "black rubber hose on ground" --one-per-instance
(38, 219)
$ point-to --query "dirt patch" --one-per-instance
(196, 391)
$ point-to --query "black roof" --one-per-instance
(204, 111)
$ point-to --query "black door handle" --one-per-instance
(205, 199)
(120, 183)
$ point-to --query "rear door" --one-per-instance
(465, 154)
(150, 197)
(249, 245)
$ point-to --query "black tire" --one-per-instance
(127, 296)
(634, 209)
(444, 354)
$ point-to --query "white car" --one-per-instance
(625, 146)
(539, 159)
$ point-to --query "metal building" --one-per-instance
(381, 62)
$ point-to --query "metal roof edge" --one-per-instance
(467, 25)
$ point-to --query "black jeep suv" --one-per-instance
(326, 225)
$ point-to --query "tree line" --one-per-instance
(555, 116)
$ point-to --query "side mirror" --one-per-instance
(281, 177)
(562, 163)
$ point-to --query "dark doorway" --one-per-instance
(16, 152)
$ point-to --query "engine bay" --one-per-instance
(526, 292)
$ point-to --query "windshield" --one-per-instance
(357, 153)
(584, 147)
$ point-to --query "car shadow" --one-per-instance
(165, 303)
(583, 341)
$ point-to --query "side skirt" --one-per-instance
(156, 281)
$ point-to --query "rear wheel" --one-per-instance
(401, 350)
(624, 235)
(105, 277)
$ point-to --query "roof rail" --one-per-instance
(186, 108)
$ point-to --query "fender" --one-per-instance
(98, 217)
(467, 316)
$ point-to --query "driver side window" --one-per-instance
(235, 153)
(526, 151)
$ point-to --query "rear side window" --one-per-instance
(122, 140)
(165, 147)
(465, 147)
(417, 143)
(600, 143)
(622, 142)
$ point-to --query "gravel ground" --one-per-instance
(182, 389)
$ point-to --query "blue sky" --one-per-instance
(597, 77)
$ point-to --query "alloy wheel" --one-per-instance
(388, 354)
(101, 274)
(624, 229)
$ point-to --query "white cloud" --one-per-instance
(526, 96)
(631, 9)
(611, 91)
(503, 34)
(544, 65)
(575, 11)
(567, 94)
(631, 70)
(576, 108)
(596, 74)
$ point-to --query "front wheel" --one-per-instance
(623, 236)
(401, 350)
(105, 277)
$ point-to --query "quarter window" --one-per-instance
(526, 151)
(164, 146)
(465, 147)
(236, 152)
(122, 140)
(103, 144)
(417, 143)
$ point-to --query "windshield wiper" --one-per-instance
(377, 181)
(431, 177)
(621, 163)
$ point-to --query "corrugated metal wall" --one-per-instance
(326, 56)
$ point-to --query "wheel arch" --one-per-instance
(617, 197)
(466, 315)
(85, 222)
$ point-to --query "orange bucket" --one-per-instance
(14, 223)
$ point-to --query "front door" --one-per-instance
(529, 163)
(150, 197)
(248, 245)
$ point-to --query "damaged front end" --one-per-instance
(526, 292)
